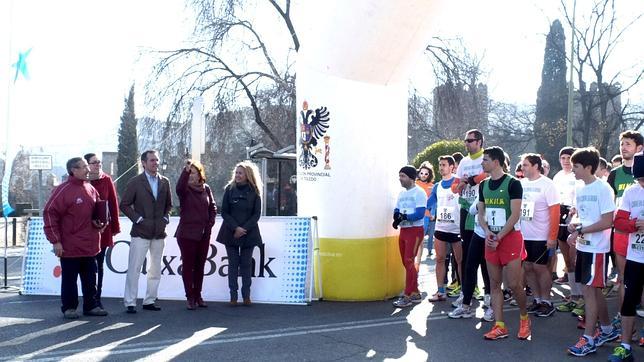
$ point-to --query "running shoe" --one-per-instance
(487, 301)
(488, 316)
(621, 354)
(545, 310)
(613, 274)
(581, 322)
(438, 297)
(460, 312)
(507, 295)
(528, 291)
(562, 280)
(640, 312)
(458, 302)
(477, 294)
(453, 286)
(454, 293)
(608, 289)
(567, 307)
(403, 302)
(582, 348)
(580, 309)
(416, 298)
(617, 322)
(513, 302)
(601, 337)
(554, 277)
(524, 329)
(496, 333)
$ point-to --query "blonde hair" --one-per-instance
(252, 174)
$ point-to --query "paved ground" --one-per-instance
(32, 328)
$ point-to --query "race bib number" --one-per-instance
(496, 218)
(470, 194)
(527, 210)
(637, 242)
(582, 241)
(445, 214)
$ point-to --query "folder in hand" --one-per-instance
(102, 211)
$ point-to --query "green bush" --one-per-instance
(440, 148)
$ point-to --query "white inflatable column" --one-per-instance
(352, 90)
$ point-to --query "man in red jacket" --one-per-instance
(76, 238)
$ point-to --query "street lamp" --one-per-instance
(164, 165)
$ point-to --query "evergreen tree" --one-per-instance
(551, 112)
(128, 150)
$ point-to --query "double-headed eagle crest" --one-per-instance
(313, 126)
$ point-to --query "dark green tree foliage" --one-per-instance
(551, 112)
(128, 149)
(434, 151)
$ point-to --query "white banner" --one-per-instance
(282, 268)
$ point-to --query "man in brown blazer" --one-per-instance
(147, 202)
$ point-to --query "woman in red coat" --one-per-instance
(197, 217)
(103, 183)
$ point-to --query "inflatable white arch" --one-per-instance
(352, 88)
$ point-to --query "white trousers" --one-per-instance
(139, 247)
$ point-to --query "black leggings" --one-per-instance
(633, 283)
(475, 257)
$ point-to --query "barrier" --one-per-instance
(282, 269)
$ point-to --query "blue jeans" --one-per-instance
(429, 231)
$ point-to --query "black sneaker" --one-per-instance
(528, 291)
(152, 306)
(532, 308)
(545, 310)
(507, 295)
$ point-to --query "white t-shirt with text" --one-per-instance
(633, 203)
(408, 201)
(592, 201)
(538, 196)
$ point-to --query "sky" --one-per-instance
(85, 55)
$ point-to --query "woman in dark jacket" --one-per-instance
(197, 217)
(241, 208)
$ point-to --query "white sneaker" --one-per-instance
(640, 312)
(487, 301)
(461, 312)
(458, 302)
(488, 316)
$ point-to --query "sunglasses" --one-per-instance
(470, 140)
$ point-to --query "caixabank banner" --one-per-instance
(282, 267)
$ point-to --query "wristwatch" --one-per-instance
(578, 229)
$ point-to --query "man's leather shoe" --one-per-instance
(151, 307)
(96, 312)
(131, 309)
(247, 302)
(191, 304)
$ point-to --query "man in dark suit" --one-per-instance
(147, 202)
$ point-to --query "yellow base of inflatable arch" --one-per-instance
(359, 269)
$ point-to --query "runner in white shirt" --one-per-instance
(445, 201)
(565, 183)
(630, 219)
(539, 226)
(591, 238)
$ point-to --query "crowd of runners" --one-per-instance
(510, 228)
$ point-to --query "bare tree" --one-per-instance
(229, 60)
(511, 127)
(597, 35)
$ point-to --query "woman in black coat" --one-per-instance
(241, 209)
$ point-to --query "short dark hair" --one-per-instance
(448, 158)
(634, 135)
(144, 155)
(457, 157)
(428, 166)
(88, 156)
(587, 156)
(477, 134)
(534, 159)
(71, 163)
(567, 151)
(616, 158)
(496, 153)
(603, 163)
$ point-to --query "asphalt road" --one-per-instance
(32, 328)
